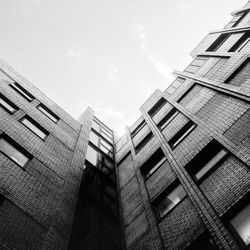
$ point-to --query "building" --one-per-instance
(178, 179)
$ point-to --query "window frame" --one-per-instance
(167, 118)
(143, 142)
(22, 91)
(19, 148)
(49, 112)
(191, 166)
(180, 135)
(163, 195)
(221, 39)
(34, 123)
(138, 129)
(10, 103)
(157, 107)
(146, 168)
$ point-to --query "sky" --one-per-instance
(107, 54)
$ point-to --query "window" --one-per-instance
(48, 113)
(170, 197)
(14, 151)
(239, 45)
(34, 127)
(237, 219)
(168, 118)
(218, 42)
(237, 19)
(241, 224)
(94, 138)
(204, 242)
(92, 155)
(241, 75)
(138, 128)
(153, 163)
(181, 134)
(143, 142)
(206, 161)
(157, 107)
(23, 92)
(196, 64)
(107, 137)
(7, 104)
(96, 126)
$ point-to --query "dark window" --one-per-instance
(7, 104)
(206, 161)
(153, 163)
(168, 118)
(23, 92)
(2, 198)
(238, 220)
(240, 43)
(204, 242)
(196, 64)
(157, 107)
(241, 75)
(181, 134)
(143, 142)
(34, 127)
(218, 42)
(48, 113)
(14, 151)
(138, 128)
(168, 199)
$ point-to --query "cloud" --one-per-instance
(160, 67)
(111, 115)
(182, 5)
(75, 53)
(111, 74)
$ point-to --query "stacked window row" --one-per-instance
(7, 145)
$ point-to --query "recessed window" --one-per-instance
(181, 134)
(241, 75)
(48, 113)
(92, 155)
(138, 128)
(167, 118)
(143, 142)
(237, 219)
(34, 127)
(238, 18)
(94, 138)
(196, 64)
(14, 151)
(218, 42)
(107, 137)
(173, 195)
(204, 242)
(206, 161)
(7, 104)
(157, 107)
(23, 92)
(241, 43)
(241, 224)
(153, 163)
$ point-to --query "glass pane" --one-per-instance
(96, 126)
(106, 131)
(7, 105)
(156, 167)
(105, 150)
(211, 163)
(34, 128)
(106, 137)
(92, 155)
(94, 138)
(22, 92)
(13, 153)
(47, 113)
(241, 223)
(177, 194)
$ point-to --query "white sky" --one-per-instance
(107, 54)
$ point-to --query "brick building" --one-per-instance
(178, 179)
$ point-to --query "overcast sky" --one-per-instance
(107, 54)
